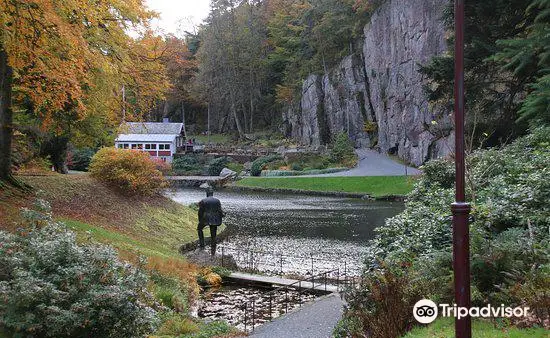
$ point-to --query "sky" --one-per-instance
(176, 15)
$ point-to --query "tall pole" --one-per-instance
(460, 209)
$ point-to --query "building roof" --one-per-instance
(146, 138)
(151, 128)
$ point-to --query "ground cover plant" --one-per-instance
(510, 243)
(52, 286)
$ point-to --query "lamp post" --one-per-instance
(460, 209)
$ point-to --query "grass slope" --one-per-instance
(153, 226)
(444, 328)
(376, 186)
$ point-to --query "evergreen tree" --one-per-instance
(528, 54)
(492, 96)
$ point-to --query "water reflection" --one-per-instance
(330, 228)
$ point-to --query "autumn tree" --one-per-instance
(70, 60)
(181, 67)
(231, 69)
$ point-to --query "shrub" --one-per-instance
(296, 167)
(342, 150)
(187, 165)
(80, 159)
(172, 296)
(236, 167)
(133, 172)
(164, 167)
(508, 189)
(207, 276)
(439, 172)
(216, 165)
(51, 286)
(175, 325)
(383, 305)
(259, 164)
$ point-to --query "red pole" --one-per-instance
(460, 209)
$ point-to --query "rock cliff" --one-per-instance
(377, 97)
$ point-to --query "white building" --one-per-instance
(159, 139)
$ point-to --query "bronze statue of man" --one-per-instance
(211, 214)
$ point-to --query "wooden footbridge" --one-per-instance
(197, 181)
(320, 283)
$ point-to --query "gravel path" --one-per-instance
(371, 163)
(315, 320)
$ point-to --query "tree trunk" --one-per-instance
(251, 97)
(57, 147)
(6, 116)
(235, 115)
(245, 117)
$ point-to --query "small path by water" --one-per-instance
(314, 320)
(371, 163)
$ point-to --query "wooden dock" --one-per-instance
(278, 281)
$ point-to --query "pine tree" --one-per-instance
(530, 51)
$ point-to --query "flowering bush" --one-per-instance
(133, 172)
(50, 286)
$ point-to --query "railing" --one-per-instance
(254, 316)
(251, 260)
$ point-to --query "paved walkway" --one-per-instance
(278, 281)
(314, 320)
(371, 163)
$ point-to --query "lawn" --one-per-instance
(444, 328)
(153, 226)
(376, 186)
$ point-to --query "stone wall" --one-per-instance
(377, 97)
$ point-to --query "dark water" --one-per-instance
(332, 230)
(227, 303)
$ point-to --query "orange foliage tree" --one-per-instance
(70, 59)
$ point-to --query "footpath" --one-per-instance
(314, 320)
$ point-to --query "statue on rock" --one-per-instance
(210, 214)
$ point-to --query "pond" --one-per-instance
(228, 303)
(289, 232)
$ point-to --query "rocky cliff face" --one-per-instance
(377, 97)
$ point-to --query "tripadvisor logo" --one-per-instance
(425, 311)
